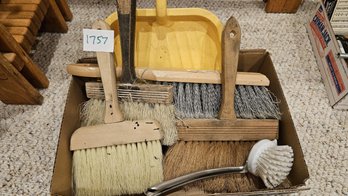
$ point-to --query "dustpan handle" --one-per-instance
(108, 76)
(126, 11)
(161, 11)
(166, 186)
(230, 44)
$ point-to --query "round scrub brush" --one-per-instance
(272, 163)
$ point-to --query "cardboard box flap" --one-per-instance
(61, 178)
(287, 133)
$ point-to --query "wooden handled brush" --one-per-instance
(118, 157)
(227, 127)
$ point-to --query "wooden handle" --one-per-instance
(126, 10)
(107, 71)
(161, 11)
(230, 50)
(211, 77)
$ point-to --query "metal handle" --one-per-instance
(172, 184)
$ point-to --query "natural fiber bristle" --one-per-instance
(203, 101)
(92, 113)
(187, 157)
(274, 165)
(117, 170)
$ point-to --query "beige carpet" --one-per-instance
(28, 134)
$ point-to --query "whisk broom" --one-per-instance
(118, 157)
(206, 149)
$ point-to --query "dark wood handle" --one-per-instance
(126, 10)
(230, 44)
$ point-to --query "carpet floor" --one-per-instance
(29, 134)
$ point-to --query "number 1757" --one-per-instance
(93, 39)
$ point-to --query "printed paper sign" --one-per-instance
(98, 40)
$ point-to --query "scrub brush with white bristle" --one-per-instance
(267, 160)
(272, 163)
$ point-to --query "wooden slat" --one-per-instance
(14, 60)
(14, 88)
(22, 31)
(21, 23)
(21, 15)
(226, 130)
(282, 6)
(64, 9)
(54, 20)
(30, 70)
(23, 7)
(26, 45)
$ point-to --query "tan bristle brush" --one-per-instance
(117, 157)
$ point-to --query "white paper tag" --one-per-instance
(98, 40)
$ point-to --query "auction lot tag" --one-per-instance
(98, 40)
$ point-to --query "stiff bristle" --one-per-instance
(203, 101)
(274, 165)
(117, 170)
(187, 157)
(93, 110)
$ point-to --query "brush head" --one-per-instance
(270, 162)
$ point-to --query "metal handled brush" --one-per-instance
(118, 157)
(272, 163)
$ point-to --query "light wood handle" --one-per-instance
(211, 77)
(107, 71)
(230, 50)
(161, 11)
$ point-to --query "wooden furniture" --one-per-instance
(24, 18)
(282, 6)
(19, 74)
(14, 88)
(20, 22)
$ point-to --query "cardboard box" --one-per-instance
(250, 60)
(334, 70)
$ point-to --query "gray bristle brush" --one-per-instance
(193, 100)
(267, 160)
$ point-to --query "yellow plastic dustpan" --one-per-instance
(174, 39)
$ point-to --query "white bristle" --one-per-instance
(107, 171)
(92, 113)
(270, 162)
(274, 165)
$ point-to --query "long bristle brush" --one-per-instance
(116, 157)
(267, 160)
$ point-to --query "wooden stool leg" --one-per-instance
(65, 10)
(282, 6)
(14, 88)
(54, 20)
(32, 71)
